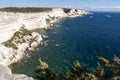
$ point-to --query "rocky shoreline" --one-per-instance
(16, 37)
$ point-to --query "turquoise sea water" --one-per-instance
(81, 38)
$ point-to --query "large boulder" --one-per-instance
(6, 74)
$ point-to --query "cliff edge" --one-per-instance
(16, 37)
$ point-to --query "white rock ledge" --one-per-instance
(6, 74)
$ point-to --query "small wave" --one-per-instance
(54, 32)
(47, 40)
(57, 25)
(66, 28)
(116, 15)
(57, 45)
(37, 49)
(28, 55)
(45, 43)
(68, 23)
(91, 16)
(108, 15)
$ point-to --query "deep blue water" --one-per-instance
(81, 38)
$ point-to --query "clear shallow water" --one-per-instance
(80, 38)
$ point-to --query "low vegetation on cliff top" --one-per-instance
(30, 9)
(43, 72)
(25, 9)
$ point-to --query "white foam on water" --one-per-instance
(57, 45)
(108, 16)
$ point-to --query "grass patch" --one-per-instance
(21, 33)
(25, 31)
(10, 44)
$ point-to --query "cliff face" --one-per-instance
(14, 49)
(11, 22)
(14, 42)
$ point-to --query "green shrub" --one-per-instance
(17, 34)
(43, 72)
(10, 44)
(25, 31)
(77, 72)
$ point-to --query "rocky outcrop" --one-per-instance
(77, 12)
(6, 74)
(14, 49)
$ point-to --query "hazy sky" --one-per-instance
(82, 4)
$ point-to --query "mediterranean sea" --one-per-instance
(80, 38)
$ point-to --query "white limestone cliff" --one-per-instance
(10, 23)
